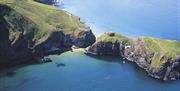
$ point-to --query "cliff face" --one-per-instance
(27, 36)
(111, 44)
(160, 58)
(85, 38)
(14, 37)
(105, 48)
(160, 65)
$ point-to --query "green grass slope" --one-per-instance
(113, 37)
(162, 49)
(43, 17)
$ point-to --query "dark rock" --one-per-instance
(140, 55)
(10, 74)
(45, 60)
(169, 71)
(85, 39)
(111, 34)
(60, 64)
(105, 48)
(23, 47)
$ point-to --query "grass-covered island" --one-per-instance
(160, 58)
(29, 30)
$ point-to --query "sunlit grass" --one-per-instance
(46, 18)
(116, 38)
(162, 49)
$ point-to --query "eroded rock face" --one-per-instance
(169, 71)
(14, 39)
(53, 43)
(85, 39)
(18, 43)
(114, 47)
(138, 53)
(143, 58)
(105, 48)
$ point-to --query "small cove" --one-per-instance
(83, 73)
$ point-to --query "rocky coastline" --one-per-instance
(22, 41)
(137, 52)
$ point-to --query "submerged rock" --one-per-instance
(60, 64)
(27, 39)
(11, 74)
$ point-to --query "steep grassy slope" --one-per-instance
(29, 30)
(162, 50)
(46, 18)
(112, 37)
(160, 58)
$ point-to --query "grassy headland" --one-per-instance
(162, 50)
(44, 17)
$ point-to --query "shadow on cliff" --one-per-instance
(139, 71)
(107, 58)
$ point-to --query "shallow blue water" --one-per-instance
(134, 18)
(84, 73)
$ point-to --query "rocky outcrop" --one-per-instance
(105, 48)
(85, 38)
(58, 42)
(19, 42)
(168, 69)
(14, 43)
(114, 48)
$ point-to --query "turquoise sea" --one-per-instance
(84, 73)
(133, 18)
